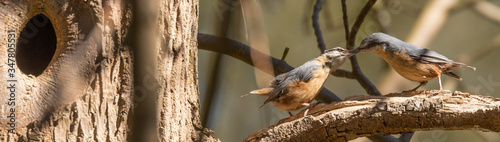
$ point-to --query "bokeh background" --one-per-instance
(463, 30)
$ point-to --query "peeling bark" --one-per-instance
(394, 113)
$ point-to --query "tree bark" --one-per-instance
(394, 113)
(86, 92)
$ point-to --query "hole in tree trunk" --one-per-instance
(36, 45)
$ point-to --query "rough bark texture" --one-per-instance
(85, 93)
(395, 113)
(177, 73)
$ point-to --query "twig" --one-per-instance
(362, 79)
(285, 53)
(317, 29)
(360, 116)
(346, 21)
(241, 52)
(343, 73)
(358, 75)
(357, 24)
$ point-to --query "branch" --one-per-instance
(346, 21)
(357, 24)
(317, 29)
(395, 113)
(357, 74)
(241, 52)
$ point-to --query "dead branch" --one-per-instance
(394, 113)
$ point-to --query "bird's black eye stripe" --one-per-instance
(329, 57)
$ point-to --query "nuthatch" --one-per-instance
(295, 89)
(412, 62)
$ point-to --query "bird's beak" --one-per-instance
(353, 52)
(328, 50)
(360, 47)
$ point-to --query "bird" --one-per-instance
(295, 89)
(412, 62)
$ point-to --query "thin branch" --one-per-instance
(241, 52)
(285, 52)
(317, 29)
(357, 24)
(343, 73)
(369, 87)
(358, 75)
(395, 113)
(346, 21)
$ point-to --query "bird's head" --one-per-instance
(375, 42)
(337, 56)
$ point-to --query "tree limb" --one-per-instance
(241, 52)
(394, 113)
(350, 38)
(317, 29)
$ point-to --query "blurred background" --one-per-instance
(463, 30)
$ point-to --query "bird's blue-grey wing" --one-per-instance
(434, 57)
(306, 71)
(303, 73)
(424, 55)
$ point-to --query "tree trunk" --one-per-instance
(72, 77)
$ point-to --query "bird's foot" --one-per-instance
(308, 105)
(444, 91)
(305, 113)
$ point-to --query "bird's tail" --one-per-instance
(266, 92)
(453, 75)
(458, 64)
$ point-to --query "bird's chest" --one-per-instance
(300, 92)
(411, 69)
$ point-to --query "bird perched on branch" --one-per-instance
(412, 62)
(297, 88)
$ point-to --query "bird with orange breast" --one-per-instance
(412, 62)
(295, 89)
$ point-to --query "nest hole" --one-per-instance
(36, 45)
